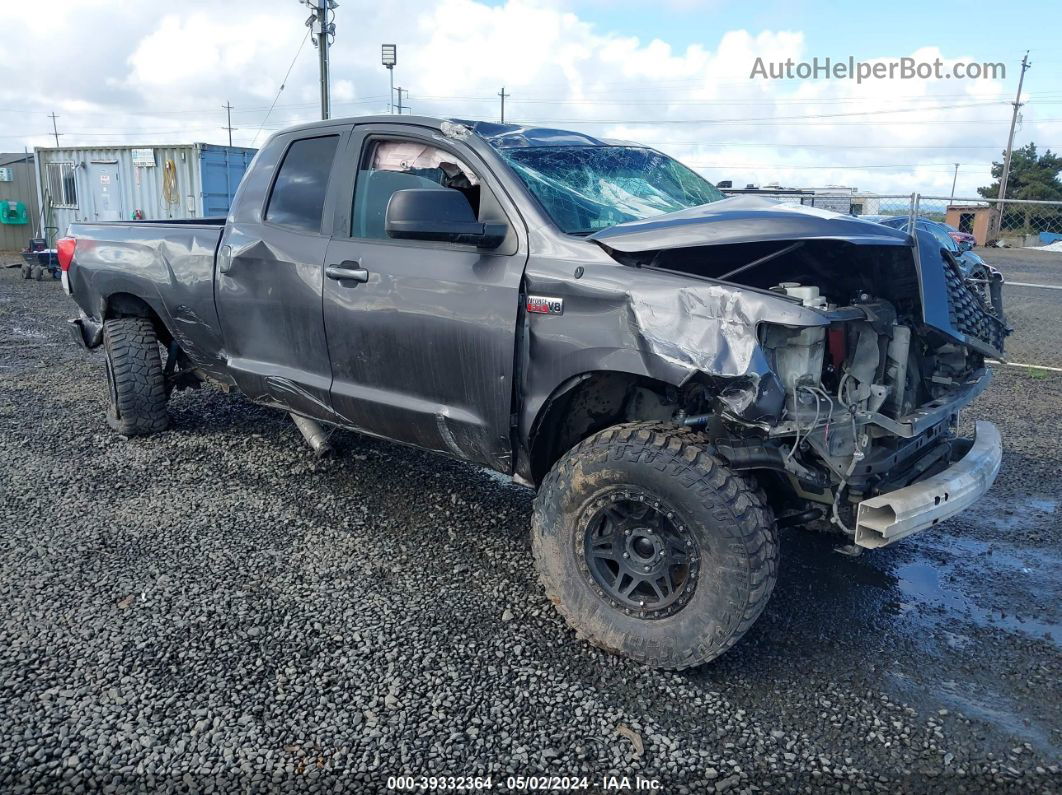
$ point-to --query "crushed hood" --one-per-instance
(744, 219)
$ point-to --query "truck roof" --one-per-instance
(500, 136)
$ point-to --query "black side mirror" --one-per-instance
(442, 214)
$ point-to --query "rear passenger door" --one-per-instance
(423, 347)
(269, 277)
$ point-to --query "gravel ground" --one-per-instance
(213, 609)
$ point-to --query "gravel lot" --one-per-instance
(214, 609)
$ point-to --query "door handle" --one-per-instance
(344, 273)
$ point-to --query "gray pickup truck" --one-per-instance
(677, 373)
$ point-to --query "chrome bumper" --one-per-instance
(888, 517)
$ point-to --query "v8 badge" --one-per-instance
(544, 305)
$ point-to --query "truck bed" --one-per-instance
(169, 264)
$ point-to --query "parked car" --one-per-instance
(678, 374)
(965, 240)
(982, 277)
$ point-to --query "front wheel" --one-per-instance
(652, 548)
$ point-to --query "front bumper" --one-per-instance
(888, 517)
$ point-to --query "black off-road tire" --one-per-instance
(38, 273)
(27, 270)
(725, 514)
(136, 387)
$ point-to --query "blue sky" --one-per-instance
(990, 31)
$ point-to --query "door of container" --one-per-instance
(105, 190)
(221, 169)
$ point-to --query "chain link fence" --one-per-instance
(1021, 239)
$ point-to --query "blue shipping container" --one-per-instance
(222, 169)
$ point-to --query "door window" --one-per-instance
(391, 165)
(298, 194)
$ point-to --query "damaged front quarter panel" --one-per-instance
(664, 326)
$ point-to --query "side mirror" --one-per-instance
(442, 214)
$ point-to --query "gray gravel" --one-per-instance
(213, 609)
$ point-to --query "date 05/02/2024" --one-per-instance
(521, 783)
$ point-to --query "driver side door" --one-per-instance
(422, 344)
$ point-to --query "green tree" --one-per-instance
(1031, 176)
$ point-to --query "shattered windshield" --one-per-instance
(587, 188)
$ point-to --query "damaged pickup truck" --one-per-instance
(678, 374)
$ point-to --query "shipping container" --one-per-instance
(116, 183)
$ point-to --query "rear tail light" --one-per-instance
(64, 251)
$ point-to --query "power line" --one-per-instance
(282, 82)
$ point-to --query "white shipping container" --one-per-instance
(121, 183)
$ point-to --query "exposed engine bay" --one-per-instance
(871, 397)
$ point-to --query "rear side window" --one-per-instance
(298, 194)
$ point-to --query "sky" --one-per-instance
(672, 74)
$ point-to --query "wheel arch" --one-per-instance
(123, 304)
(589, 402)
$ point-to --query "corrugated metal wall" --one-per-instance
(22, 188)
(140, 187)
(222, 169)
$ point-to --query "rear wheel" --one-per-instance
(27, 270)
(38, 273)
(136, 388)
(651, 548)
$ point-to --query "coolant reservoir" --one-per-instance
(808, 294)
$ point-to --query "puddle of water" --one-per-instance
(920, 585)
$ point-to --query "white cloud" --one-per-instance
(159, 72)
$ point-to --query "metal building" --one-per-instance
(18, 201)
(117, 183)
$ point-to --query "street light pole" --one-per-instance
(389, 57)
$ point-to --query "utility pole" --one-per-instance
(1010, 143)
(953, 181)
(400, 107)
(55, 130)
(503, 95)
(322, 30)
(228, 118)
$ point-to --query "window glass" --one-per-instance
(299, 191)
(62, 187)
(587, 188)
(392, 165)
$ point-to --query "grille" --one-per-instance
(970, 315)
